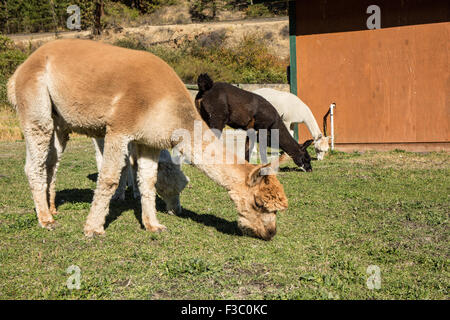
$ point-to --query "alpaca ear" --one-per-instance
(254, 177)
(307, 144)
(271, 168)
(257, 174)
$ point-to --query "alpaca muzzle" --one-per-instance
(265, 229)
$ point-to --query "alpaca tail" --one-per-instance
(11, 90)
(325, 123)
(204, 82)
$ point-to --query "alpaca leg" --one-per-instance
(250, 144)
(147, 176)
(99, 144)
(252, 152)
(248, 149)
(107, 182)
(120, 192)
(35, 116)
(37, 146)
(263, 138)
(263, 152)
(60, 138)
(132, 170)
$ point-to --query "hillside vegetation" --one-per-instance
(248, 61)
(26, 16)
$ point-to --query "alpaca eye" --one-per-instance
(258, 203)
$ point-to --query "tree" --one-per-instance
(98, 13)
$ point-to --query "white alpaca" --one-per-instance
(293, 110)
(170, 179)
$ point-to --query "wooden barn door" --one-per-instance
(390, 85)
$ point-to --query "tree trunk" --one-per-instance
(98, 13)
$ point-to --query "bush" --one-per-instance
(153, 5)
(248, 61)
(117, 13)
(130, 43)
(258, 10)
(10, 59)
(202, 10)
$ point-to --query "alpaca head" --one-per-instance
(204, 82)
(170, 182)
(321, 146)
(303, 159)
(259, 201)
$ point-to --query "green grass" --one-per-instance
(387, 209)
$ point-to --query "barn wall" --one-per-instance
(391, 86)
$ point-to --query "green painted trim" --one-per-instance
(293, 54)
(292, 48)
(192, 86)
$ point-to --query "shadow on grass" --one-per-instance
(295, 168)
(291, 169)
(116, 209)
(93, 177)
(221, 225)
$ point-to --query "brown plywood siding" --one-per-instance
(390, 85)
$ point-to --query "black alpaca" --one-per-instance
(222, 104)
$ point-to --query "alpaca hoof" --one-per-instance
(91, 233)
(50, 224)
(158, 228)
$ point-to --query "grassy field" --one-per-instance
(355, 210)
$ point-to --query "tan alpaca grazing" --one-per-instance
(123, 95)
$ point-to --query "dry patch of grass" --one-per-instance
(399, 159)
(10, 130)
(9, 125)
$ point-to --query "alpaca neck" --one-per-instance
(287, 143)
(307, 117)
(211, 156)
(229, 176)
